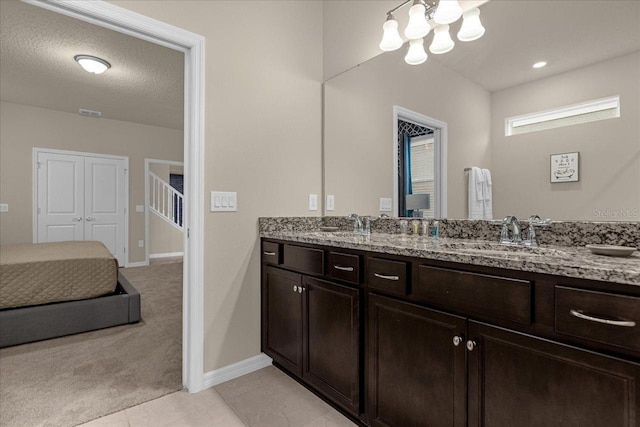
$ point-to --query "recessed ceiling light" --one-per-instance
(92, 64)
(540, 64)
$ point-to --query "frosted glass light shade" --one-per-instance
(448, 11)
(442, 42)
(418, 27)
(416, 54)
(391, 39)
(92, 64)
(472, 28)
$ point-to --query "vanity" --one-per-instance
(400, 330)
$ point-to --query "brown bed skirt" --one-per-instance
(35, 323)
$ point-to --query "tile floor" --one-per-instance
(263, 398)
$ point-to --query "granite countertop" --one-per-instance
(567, 261)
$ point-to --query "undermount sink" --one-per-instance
(487, 248)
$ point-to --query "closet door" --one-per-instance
(60, 210)
(104, 203)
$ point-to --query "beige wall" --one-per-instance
(23, 127)
(262, 139)
(609, 150)
(359, 140)
(163, 237)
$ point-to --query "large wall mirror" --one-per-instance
(593, 51)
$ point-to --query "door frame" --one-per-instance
(122, 20)
(36, 152)
(440, 127)
(147, 196)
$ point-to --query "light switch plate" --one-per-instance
(313, 202)
(385, 204)
(141, 243)
(224, 201)
(139, 208)
(4, 207)
(331, 202)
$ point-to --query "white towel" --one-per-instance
(487, 191)
(476, 195)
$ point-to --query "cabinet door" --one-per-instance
(416, 375)
(519, 380)
(283, 318)
(332, 341)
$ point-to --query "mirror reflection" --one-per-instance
(473, 91)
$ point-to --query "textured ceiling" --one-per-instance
(569, 34)
(37, 46)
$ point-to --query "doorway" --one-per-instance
(118, 19)
(420, 164)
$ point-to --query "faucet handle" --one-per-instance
(536, 221)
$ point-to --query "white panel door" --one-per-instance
(105, 203)
(60, 207)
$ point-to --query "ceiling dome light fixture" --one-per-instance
(92, 64)
(425, 15)
(539, 64)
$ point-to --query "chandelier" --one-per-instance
(423, 16)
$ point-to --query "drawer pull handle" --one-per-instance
(269, 253)
(339, 267)
(383, 276)
(580, 315)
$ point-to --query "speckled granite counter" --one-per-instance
(568, 261)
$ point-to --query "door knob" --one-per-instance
(457, 340)
(471, 345)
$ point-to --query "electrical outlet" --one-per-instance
(313, 202)
(141, 243)
(139, 208)
(4, 207)
(331, 202)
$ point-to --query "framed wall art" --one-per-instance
(565, 167)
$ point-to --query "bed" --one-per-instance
(50, 290)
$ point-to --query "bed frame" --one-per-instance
(27, 324)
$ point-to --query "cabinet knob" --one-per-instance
(300, 289)
(295, 288)
(471, 345)
(457, 340)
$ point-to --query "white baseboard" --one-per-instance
(166, 255)
(226, 373)
(137, 264)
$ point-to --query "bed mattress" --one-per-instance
(42, 273)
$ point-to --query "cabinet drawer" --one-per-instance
(388, 276)
(473, 293)
(344, 267)
(271, 252)
(304, 259)
(597, 316)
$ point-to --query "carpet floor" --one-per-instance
(70, 380)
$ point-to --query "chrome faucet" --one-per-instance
(532, 238)
(515, 238)
(368, 220)
(358, 225)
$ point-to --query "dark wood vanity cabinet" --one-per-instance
(416, 375)
(398, 341)
(518, 379)
(311, 327)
